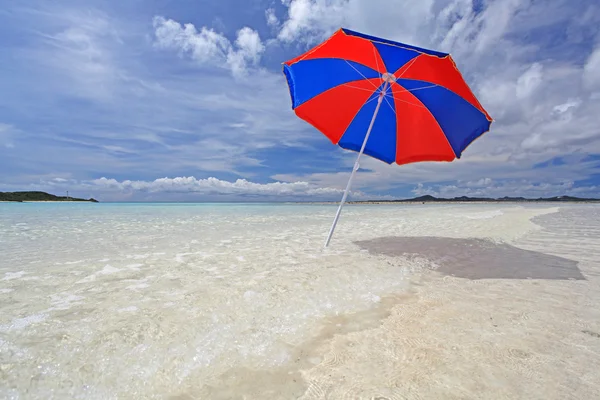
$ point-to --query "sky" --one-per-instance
(186, 100)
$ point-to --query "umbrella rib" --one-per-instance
(404, 90)
(361, 74)
(358, 88)
(414, 90)
(408, 102)
(421, 88)
(370, 100)
(377, 62)
(389, 104)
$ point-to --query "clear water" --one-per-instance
(116, 300)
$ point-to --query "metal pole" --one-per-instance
(356, 164)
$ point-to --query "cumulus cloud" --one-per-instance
(309, 20)
(209, 47)
(191, 188)
(450, 25)
(214, 186)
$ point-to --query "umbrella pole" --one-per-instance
(356, 164)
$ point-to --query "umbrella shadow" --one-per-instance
(477, 258)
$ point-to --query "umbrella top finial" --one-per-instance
(389, 78)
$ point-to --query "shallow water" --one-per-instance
(105, 301)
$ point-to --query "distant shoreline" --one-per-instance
(46, 201)
(471, 200)
(476, 202)
(43, 197)
(39, 197)
(358, 203)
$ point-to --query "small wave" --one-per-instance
(9, 276)
(138, 286)
(485, 215)
(74, 262)
(109, 270)
(64, 301)
(128, 309)
(24, 322)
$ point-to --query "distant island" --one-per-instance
(21, 197)
(466, 199)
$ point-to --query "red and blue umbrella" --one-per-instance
(392, 101)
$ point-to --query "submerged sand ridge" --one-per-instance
(477, 258)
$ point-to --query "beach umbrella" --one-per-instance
(392, 101)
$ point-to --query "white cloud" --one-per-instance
(479, 183)
(311, 17)
(309, 21)
(214, 186)
(6, 136)
(249, 50)
(209, 47)
(529, 81)
(495, 21)
(591, 71)
(467, 34)
(272, 19)
(77, 48)
(191, 188)
(204, 46)
(568, 105)
(449, 25)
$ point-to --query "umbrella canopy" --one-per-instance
(392, 101)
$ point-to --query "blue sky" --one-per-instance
(164, 100)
